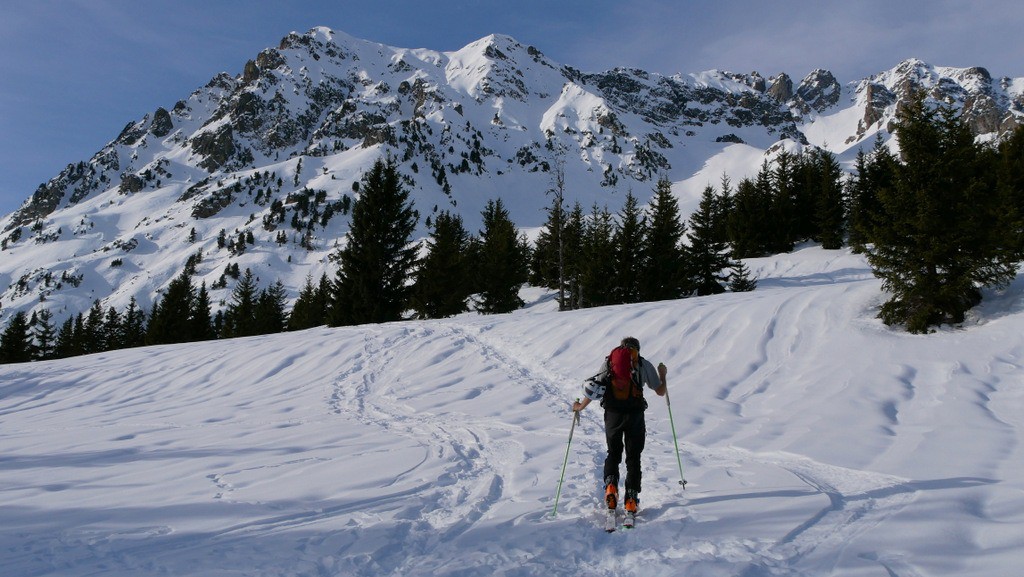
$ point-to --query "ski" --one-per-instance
(630, 520)
(610, 522)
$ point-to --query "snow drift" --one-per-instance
(815, 441)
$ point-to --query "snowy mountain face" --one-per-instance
(274, 155)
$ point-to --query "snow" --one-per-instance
(816, 441)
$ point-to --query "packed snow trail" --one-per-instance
(815, 442)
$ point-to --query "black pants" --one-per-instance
(624, 430)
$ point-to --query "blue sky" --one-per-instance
(74, 72)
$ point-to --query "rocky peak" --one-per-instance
(782, 88)
(819, 89)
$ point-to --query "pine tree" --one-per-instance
(201, 316)
(829, 203)
(443, 282)
(81, 345)
(573, 261)
(112, 330)
(16, 340)
(377, 260)
(741, 281)
(67, 340)
(789, 208)
(665, 277)
(240, 316)
(859, 194)
(945, 232)
(548, 263)
(502, 261)
(271, 309)
(628, 252)
(170, 320)
(597, 266)
(44, 336)
(875, 172)
(94, 336)
(310, 308)
(133, 326)
(724, 204)
(708, 256)
(749, 233)
(544, 258)
(1009, 170)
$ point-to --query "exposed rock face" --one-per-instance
(162, 123)
(782, 89)
(820, 90)
(216, 148)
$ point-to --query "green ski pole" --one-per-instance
(668, 403)
(558, 494)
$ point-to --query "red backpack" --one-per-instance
(625, 390)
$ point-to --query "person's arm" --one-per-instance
(580, 405)
(662, 372)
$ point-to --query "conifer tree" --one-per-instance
(240, 316)
(201, 316)
(548, 266)
(311, 306)
(544, 258)
(502, 261)
(443, 282)
(94, 336)
(16, 340)
(749, 233)
(789, 219)
(1009, 170)
(628, 252)
(112, 330)
(67, 341)
(170, 320)
(875, 172)
(708, 256)
(271, 309)
(573, 260)
(377, 259)
(828, 202)
(133, 325)
(741, 280)
(945, 232)
(859, 194)
(81, 347)
(44, 336)
(597, 266)
(665, 277)
(725, 201)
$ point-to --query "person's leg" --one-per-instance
(635, 439)
(613, 427)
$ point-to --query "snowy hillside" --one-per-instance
(273, 154)
(816, 442)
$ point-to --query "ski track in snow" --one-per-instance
(434, 448)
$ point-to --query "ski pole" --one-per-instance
(558, 494)
(668, 403)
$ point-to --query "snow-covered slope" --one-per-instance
(275, 151)
(815, 442)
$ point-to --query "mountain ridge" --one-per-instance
(277, 149)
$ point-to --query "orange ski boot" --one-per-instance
(611, 496)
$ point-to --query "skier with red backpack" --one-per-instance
(619, 386)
